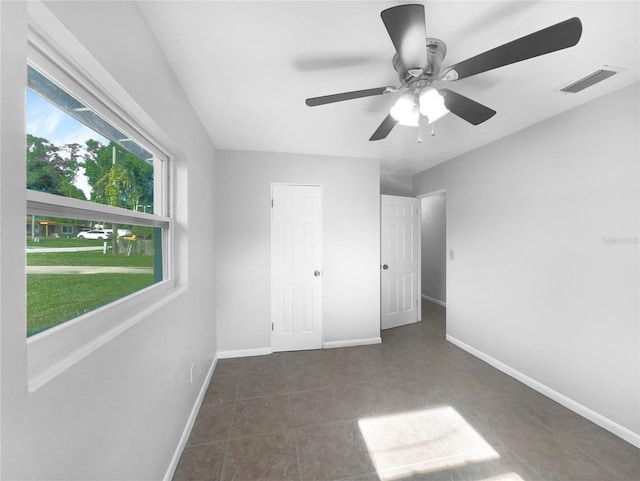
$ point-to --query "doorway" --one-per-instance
(434, 254)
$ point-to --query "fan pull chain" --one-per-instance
(433, 129)
(420, 129)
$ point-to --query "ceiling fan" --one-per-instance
(418, 62)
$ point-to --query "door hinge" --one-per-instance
(271, 202)
(272, 326)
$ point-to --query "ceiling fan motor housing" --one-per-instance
(436, 52)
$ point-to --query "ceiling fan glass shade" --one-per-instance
(402, 110)
(412, 119)
(432, 104)
(407, 29)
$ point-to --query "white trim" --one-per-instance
(42, 203)
(52, 45)
(182, 443)
(435, 301)
(57, 54)
(261, 351)
(55, 350)
(599, 419)
(352, 342)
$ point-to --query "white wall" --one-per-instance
(534, 284)
(396, 185)
(350, 245)
(119, 412)
(434, 247)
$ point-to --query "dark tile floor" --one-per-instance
(412, 408)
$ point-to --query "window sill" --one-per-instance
(55, 350)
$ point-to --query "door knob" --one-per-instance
(316, 273)
(385, 266)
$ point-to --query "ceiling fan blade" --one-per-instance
(408, 32)
(465, 108)
(557, 37)
(384, 128)
(328, 99)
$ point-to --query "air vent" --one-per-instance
(589, 80)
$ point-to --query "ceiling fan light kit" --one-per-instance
(418, 60)
(432, 104)
(404, 108)
(426, 102)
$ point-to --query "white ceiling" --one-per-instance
(248, 67)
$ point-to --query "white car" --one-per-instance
(94, 234)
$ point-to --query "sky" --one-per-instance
(48, 121)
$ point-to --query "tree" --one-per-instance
(127, 182)
(118, 177)
(117, 188)
(97, 162)
(53, 169)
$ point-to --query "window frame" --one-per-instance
(54, 350)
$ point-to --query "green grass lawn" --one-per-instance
(63, 242)
(56, 298)
(87, 258)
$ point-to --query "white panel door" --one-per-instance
(296, 269)
(399, 260)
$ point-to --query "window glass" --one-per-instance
(75, 266)
(74, 153)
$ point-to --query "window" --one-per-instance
(73, 152)
(71, 275)
(76, 265)
(98, 235)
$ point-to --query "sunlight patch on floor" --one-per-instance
(428, 440)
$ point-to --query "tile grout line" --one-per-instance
(597, 461)
(524, 461)
(293, 429)
(228, 441)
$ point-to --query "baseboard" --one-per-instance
(168, 476)
(262, 351)
(435, 301)
(352, 342)
(585, 412)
